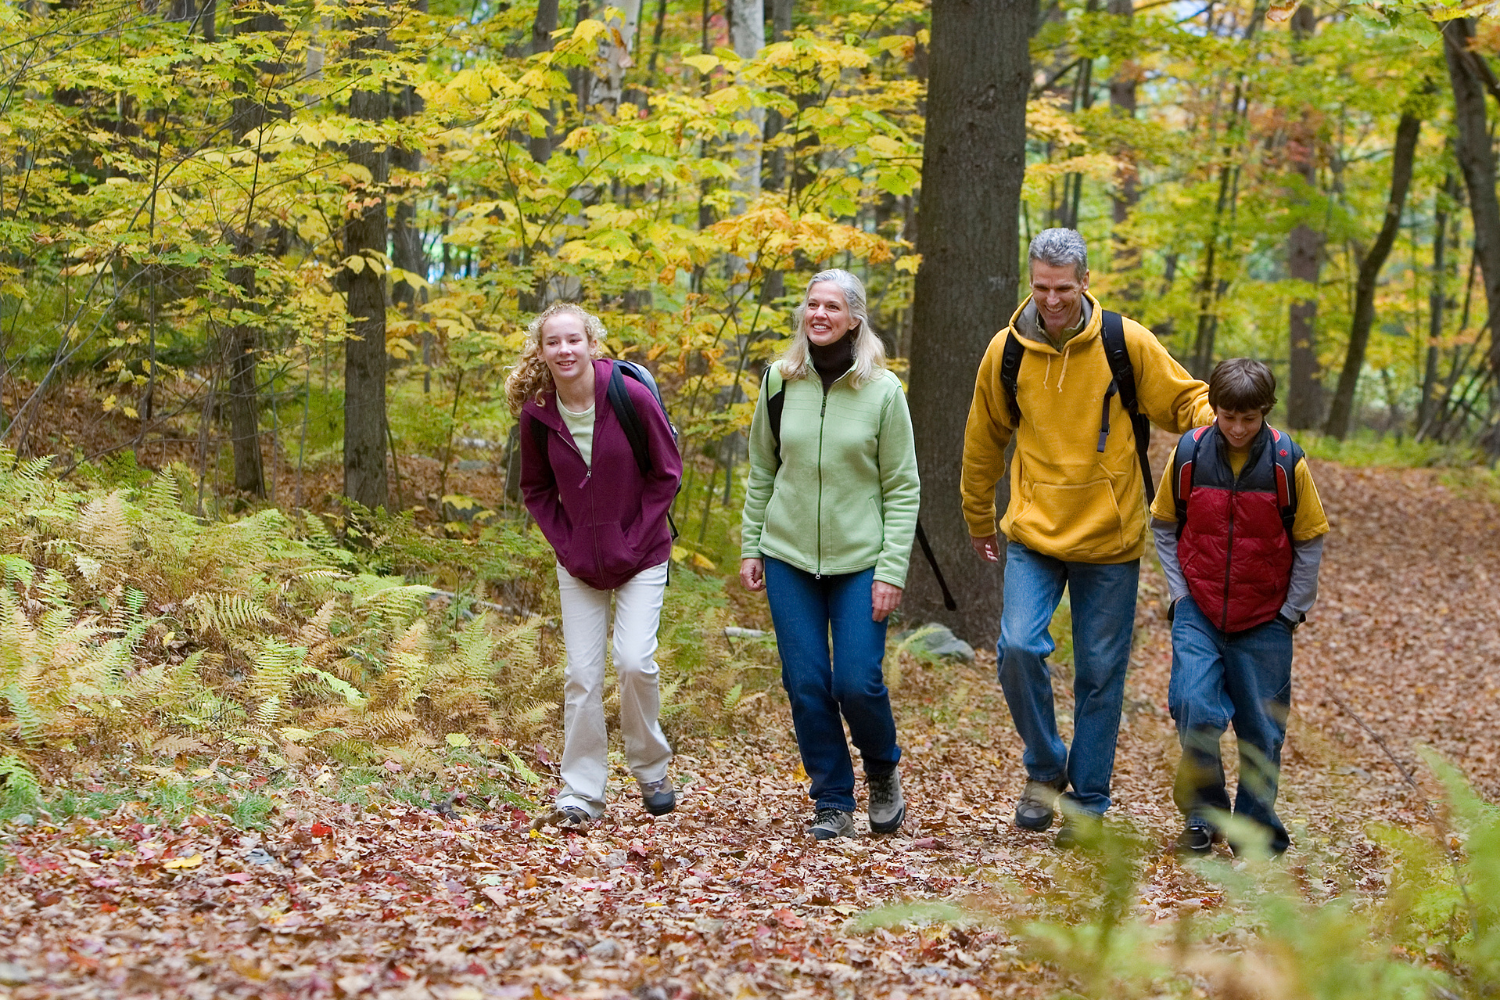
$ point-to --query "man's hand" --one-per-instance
(753, 574)
(987, 547)
(885, 598)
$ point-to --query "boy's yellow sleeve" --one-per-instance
(1310, 521)
(1164, 508)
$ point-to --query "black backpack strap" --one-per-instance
(1182, 474)
(1287, 454)
(630, 420)
(1113, 336)
(773, 389)
(1010, 370)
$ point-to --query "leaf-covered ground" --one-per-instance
(727, 897)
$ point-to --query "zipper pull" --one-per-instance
(586, 477)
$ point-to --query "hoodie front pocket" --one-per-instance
(1072, 519)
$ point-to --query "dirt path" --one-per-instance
(727, 898)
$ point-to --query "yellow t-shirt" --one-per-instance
(1309, 523)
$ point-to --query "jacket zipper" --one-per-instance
(822, 412)
(588, 475)
(1234, 488)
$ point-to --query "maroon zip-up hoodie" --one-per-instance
(607, 521)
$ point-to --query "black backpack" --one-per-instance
(1184, 465)
(774, 391)
(1113, 338)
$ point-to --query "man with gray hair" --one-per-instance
(1077, 388)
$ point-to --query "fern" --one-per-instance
(28, 721)
(276, 663)
(732, 697)
(18, 785)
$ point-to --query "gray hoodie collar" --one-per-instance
(1029, 324)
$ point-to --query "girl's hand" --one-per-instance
(753, 574)
(884, 597)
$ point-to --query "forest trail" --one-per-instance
(727, 897)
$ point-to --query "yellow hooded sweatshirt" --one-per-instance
(1068, 500)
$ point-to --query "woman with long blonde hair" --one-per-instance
(604, 510)
(830, 513)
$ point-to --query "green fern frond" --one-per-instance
(19, 787)
(29, 725)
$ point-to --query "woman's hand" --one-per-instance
(753, 575)
(883, 596)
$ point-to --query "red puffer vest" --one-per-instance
(1234, 538)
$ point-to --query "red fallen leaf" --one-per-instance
(392, 766)
(925, 843)
(322, 830)
(789, 919)
(239, 878)
(107, 907)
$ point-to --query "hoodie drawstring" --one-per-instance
(1048, 373)
(1066, 348)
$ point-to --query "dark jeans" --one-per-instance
(803, 609)
(1218, 678)
(1103, 602)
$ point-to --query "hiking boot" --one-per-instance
(831, 823)
(887, 805)
(1038, 804)
(659, 797)
(1079, 830)
(564, 818)
(1197, 837)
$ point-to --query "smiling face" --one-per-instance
(1057, 291)
(566, 348)
(827, 317)
(1239, 427)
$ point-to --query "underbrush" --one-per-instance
(141, 622)
(1263, 927)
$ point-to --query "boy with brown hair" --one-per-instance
(1239, 532)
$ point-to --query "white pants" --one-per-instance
(585, 622)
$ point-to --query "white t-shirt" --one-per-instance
(581, 426)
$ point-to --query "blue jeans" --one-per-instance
(1103, 602)
(820, 687)
(1218, 678)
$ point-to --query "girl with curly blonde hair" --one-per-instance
(604, 511)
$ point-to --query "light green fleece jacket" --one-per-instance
(845, 494)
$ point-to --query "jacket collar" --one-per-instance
(1028, 329)
(545, 408)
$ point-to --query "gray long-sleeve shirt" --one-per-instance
(1306, 558)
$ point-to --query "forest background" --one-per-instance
(263, 267)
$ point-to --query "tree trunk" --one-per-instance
(365, 236)
(1476, 159)
(1436, 301)
(1340, 414)
(617, 57)
(541, 41)
(973, 162)
(1122, 101)
(747, 33)
(251, 115)
(407, 250)
(1304, 253)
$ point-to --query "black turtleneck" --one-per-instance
(833, 360)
